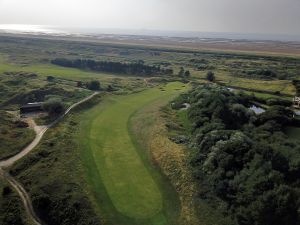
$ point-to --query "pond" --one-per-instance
(257, 109)
(297, 113)
(185, 106)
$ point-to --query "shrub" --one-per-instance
(94, 85)
(54, 107)
(50, 78)
(210, 76)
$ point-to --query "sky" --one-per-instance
(238, 16)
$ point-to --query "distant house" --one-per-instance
(31, 107)
(296, 101)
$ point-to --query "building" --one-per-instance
(31, 107)
(296, 101)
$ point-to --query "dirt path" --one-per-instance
(24, 197)
(40, 131)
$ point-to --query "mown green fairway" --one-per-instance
(122, 180)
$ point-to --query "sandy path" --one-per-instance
(40, 131)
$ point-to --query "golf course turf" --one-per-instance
(126, 187)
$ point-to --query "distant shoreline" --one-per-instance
(241, 46)
(57, 31)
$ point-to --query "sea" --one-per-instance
(62, 31)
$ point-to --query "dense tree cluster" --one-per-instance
(259, 74)
(244, 162)
(297, 86)
(184, 73)
(137, 68)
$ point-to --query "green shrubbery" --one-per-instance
(14, 135)
(10, 206)
(297, 86)
(54, 107)
(53, 176)
(244, 162)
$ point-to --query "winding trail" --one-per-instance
(40, 131)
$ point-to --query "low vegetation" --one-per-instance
(53, 175)
(11, 207)
(14, 135)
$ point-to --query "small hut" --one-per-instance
(31, 107)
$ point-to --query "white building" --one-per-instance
(296, 102)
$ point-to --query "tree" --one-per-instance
(181, 72)
(54, 107)
(50, 78)
(187, 74)
(210, 76)
(79, 84)
(110, 88)
(94, 85)
(6, 191)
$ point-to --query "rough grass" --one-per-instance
(11, 207)
(53, 175)
(117, 171)
(19, 87)
(12, 138)
(67, 77)
(282, 86)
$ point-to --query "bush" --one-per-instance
(54, 107)
(6, 191)
(94, 85)
(277, 101)
(50, 78)
(210, 76)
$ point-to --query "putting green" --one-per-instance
(129, 183)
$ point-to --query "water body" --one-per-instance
(31, 29)
(257, 110)
(297, 113)
(186, 106)
(59, 30)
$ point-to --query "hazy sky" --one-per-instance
(251, 16)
